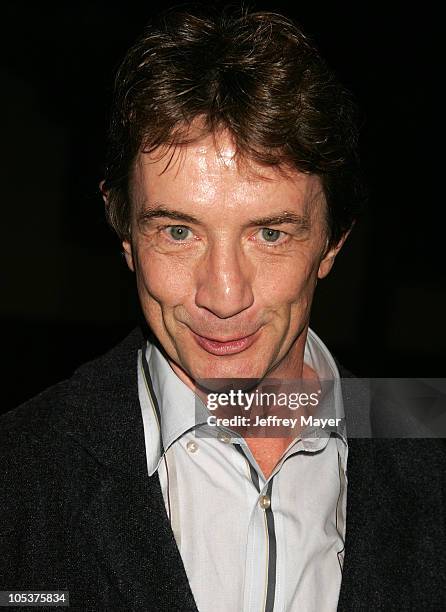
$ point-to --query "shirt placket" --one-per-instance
(260, 572)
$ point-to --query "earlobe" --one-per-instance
(128, 254)
(327, 262)
(103, 191)
(126, 245)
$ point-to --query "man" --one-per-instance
(233, 182)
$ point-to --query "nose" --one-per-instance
(224, 283)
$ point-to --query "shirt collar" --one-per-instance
(170, 408)
(319, 358)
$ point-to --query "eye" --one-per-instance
(270, 235)
(179, 232)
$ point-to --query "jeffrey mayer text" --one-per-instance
(272, 421)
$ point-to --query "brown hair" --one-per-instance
(255, 74)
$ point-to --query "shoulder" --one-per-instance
(91, 380)
(48, 423)
(56, 448)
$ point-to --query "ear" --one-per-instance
(126, 245)
(128, 254)
(103, 191)
(327, 262)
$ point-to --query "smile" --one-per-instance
(226, 347)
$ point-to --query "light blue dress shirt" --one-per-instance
(248, 543)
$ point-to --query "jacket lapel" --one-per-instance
(124, 521)
(361, 556)
(127, 525)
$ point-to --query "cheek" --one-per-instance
(287, 281)
(162, 279)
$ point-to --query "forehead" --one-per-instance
(210, 171)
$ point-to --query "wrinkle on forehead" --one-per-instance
(222, 148)
(213, 165)
(220, 143)
(219, 150)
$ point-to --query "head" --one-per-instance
(232, 182)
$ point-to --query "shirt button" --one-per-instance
(264, 502)
(192, 446)
(224, 438)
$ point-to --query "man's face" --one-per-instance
(226, 260)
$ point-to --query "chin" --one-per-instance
(223, 367)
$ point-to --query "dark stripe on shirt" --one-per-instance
(272, 553)
(145, 366)
(272, 544)
(254, 475)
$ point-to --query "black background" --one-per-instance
(67, 295)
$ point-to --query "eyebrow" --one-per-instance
(301, 221)
(162, 211)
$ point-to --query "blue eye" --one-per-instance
(270, 235)
(178, 232)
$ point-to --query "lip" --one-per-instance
(226, 347)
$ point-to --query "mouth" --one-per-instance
(226, 347)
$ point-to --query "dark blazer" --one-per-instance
(78, 511)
